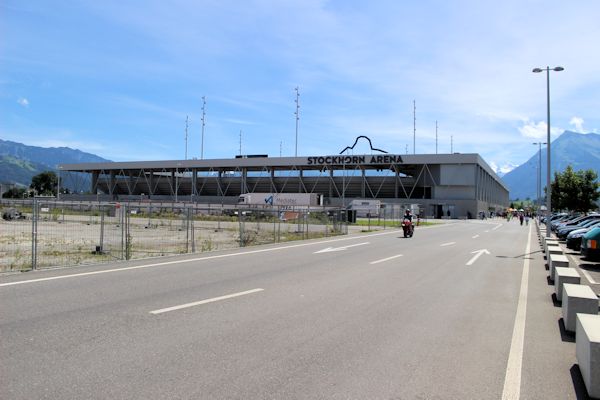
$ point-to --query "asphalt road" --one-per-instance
(369, 316)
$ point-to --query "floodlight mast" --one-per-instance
(186, 136)
(203, 124)
(297, 113)
(549, 171)
(539, 176)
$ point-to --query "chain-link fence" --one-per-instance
(47, 233)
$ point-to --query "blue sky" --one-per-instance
(118, 78)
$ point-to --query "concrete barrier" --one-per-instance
(557, 260)
(587, 349)
(562, 276)
(553, 250)
(550, 242)
(577, 299)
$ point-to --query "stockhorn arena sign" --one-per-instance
(385, 159)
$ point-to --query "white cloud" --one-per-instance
(577, 123)
(538, 130)
(533, 130)
(23, 101)
(502, 170)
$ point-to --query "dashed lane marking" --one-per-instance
(385, 259)
(198, 303)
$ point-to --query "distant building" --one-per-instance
(444, 185)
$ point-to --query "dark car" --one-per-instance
(590, 244)
(574, 237)
(563, 231)
(576, 221)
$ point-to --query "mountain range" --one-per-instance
(19, 162)
(581, 151)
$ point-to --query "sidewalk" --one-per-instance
(550, 368)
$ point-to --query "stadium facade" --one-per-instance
(444, 185)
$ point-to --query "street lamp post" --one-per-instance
(539, 176)
(549, 171)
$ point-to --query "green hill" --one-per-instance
(19, 162)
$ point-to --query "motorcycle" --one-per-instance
(408, 227)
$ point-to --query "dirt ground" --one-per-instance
(77, 239)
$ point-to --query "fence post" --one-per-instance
(279, 231)
(101, 229)
(122, 223)
(34, 216)
(128, 243)
(192, 232)
(275, 216)
(241, 222)
(187, 230)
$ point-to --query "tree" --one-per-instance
(575, 190)
(15, 193)
(45, 183)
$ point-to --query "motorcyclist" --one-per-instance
(407, 224)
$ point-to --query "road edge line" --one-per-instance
(512, 379)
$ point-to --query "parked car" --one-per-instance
(563, 220)
(564, 230)
(590, 244)
(553, 217)
(575, 221)
(574, 237)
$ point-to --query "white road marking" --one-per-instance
(385, 259)
(447, 244)
(478, 254)
(588, 276)
(487, 231)
(583, 271)
(330, 249)
(198, 303)
(496, 227)
(475, 237)
(197, 259)
(512, 380)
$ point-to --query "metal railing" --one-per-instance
(45, 233)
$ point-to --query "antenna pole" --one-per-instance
(414, 127)
(186, 135)
(297, 113)
(436, 137)
(203, 124)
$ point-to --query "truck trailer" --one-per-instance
(366, 207)
(281, 199)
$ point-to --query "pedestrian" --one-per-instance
(521, 218)
(527, 219)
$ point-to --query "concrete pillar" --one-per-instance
(363, 184)
(94, 186)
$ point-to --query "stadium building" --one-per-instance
(444, 185)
